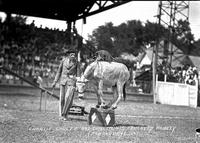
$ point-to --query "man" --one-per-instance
(38, 79)
(67, 75)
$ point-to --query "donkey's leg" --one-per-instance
(120, 95)
(99, 91)
(98, 96)
(114, 89)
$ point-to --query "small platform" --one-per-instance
(77, 110)
(101, 117)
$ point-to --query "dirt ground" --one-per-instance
(21, 121)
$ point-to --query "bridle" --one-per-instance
(81, 82)
(97, 65)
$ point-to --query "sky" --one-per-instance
(135, 10)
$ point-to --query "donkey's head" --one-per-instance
(81, 85)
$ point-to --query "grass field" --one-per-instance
(22, 122)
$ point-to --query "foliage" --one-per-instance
(101, 37)
(128, 63)
(131, 36)
(152, 32)
(127, 37)
(183, 36)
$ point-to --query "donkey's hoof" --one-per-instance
(97, 106)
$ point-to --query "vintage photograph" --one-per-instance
(99, 71)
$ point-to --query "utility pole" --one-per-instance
(169, 13)
(155, 57)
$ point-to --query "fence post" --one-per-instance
(45, 101)
(165, 78)
(156, 87)
(41, 100)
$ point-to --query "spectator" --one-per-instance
(38, 79)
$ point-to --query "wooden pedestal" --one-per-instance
(101, 117)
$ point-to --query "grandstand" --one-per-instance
(27, 49)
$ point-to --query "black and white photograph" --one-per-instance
(99, 71)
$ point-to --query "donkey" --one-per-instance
(102, 73)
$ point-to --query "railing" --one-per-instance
(177, 93)
(75, 109)
(29, 82)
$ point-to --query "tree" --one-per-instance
(127, 37)
(197, 42)
(152, 32)
(19, 20)
(101, 37)
(183, 36)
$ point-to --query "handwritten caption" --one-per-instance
(109, 131)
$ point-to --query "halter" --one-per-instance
(82, 81)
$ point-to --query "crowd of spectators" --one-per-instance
(27, 49)
(187, 74)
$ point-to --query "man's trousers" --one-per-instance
(66, 99)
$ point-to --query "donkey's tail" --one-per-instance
(124, 92)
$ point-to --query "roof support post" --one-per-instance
(69, 34)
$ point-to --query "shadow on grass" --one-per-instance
(78, 119)
(129, 125)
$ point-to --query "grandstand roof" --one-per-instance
(68, 10)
